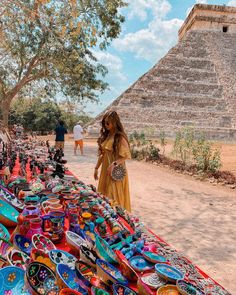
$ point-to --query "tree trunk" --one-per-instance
(5, 106)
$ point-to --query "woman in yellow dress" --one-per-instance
(113, 149)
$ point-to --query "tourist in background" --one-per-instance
(60, 131)
(78, 137)
(113, 147)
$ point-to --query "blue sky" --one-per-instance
(150, 30)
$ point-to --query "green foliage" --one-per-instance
(196, 151)
(163, 141)
(50, 45)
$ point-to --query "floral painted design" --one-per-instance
(32, 270)
(65, 275)
(43, 274)
(26, 244)
(50, 283)
(41, 290)
(11, 277)
(33, 282)
(8, 292)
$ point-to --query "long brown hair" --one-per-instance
(114, 118)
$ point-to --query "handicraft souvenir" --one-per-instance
(125, 267)
(42, 257)
(185, 288)
(8, 214)
(168, 290)
(104, 251)
(88, 256)
(41, 279)
(5, 195)
(109, 274)
(18, 258)
(97, 291)
(22, 243)
(68, 291)
(74, 241)
(4, 247)
(62, 257)
(12, 281)
(168, 272)
(41, 242)
(154, 257)
(139, 263)
(119, 289)
(152, 280)
(4, 232)
(67, 278)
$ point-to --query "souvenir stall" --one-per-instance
(59, 236)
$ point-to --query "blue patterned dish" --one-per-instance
(185, 288)
(10, 198)
(154, 257)
(139, 263)
(23, 244)
(69, 278)
(104, 251)
(62, 257)
(4, 232)
(8, 214)
(109, 274)
(168, 272)
(12, 281)
(119, 289)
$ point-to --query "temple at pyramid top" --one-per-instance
(194, 84)
(210, 18)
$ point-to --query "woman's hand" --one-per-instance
(95, 175)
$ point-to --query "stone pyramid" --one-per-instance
(193, 85)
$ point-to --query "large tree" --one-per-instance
(47, 44)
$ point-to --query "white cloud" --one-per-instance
(152, 42)
(232, 3)
(201, 1)
(113, 63)
(140, 8)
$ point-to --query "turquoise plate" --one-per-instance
(8, 214)
(168, 272)
(186, 288)
(139, 263)
(12, 281)
(4, 232)
(154, 257)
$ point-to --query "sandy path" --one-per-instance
(192, 216)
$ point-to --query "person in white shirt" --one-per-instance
(78, 137)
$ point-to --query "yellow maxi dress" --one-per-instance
(118, 191)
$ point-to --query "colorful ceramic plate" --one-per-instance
(154, 257)
(109, 274)
(97, 291)
(18, 258)
(88, 256)
(10, 198)
(69, 278)
(168, 290)
(42, 243)
(139, 263)
(62, 257)
(185, 288)
(119, 289)
(168, 272)
(4, 247)
(74, 241)
(68, 291)
(8, 214)
(4, 232)
(41, 279)
(125, 267)
(152, 280)
(12, 281)
(104, 251)
(23, 244)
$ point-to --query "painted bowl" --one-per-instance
(168, 272)
(67, 278)
(143, 289)
(68, 291)
(3, 262)
(11, 199)
(97, 291)
(168, 290)
(4, 247)
(74, 241)
(12, 281)
(8, 214)
(62, 257)
(186, 288)
(41, 242)
(109, 274)
(40, 278)
(152, 280)
(88, 256)
(140, 264)
(154, 257)
(88, 275)
(104, 251)
(22, 243)
(119, 289)
(125, 267)
(4, 233)
(17, 258)
(42, 257)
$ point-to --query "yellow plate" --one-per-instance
(168, 290)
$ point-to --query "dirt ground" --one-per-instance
(195, 217)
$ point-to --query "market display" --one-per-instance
(60, 236)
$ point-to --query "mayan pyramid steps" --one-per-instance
(193, 85)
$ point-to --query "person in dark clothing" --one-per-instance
(60, 135)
